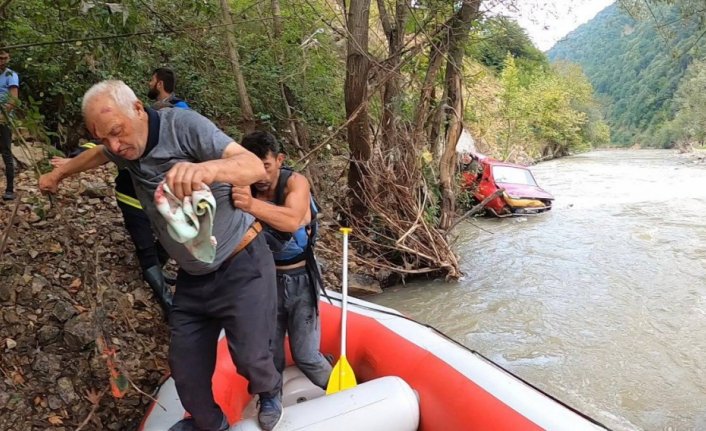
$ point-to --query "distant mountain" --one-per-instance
(634, 66)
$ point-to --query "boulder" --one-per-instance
(361, 285)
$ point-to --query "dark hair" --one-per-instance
(261, 144)
(167, 77)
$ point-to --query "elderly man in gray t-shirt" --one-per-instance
(237, 291)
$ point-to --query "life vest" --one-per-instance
(290, 248)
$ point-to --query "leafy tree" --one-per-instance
(495, 37)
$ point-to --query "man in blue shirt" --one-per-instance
(162, 90)
(9, 91)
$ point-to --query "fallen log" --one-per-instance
(476, 209)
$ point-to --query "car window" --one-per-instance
(512, 175)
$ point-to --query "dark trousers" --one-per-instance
(6, 151)
(297, 315)
(149, 251)
(241, 298)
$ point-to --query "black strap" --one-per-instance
(311, 265)
(284, 174)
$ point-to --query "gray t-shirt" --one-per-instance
(185, 136)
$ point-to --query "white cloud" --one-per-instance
(547, 21)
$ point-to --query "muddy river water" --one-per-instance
(600, 302)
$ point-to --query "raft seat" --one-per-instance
(383, 404)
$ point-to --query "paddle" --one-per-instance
(342, 377)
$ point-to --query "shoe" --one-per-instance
(8, 196)
(189, 424)
(154, 277)
(270, 413)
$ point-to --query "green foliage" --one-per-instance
(551, 113)
(636, 66)
(689, 123)
(496, 37)
(191, 42)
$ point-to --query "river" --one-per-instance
(602, 301)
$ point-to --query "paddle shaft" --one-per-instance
(344, 305)
(342, 376)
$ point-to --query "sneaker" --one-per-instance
(189, 424)
(8, 196)
(270, 413)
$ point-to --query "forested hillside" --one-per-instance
(635, 62)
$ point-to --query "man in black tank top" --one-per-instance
(284, 204)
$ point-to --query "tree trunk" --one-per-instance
(245, 106)
(356, 92)
(423, 114)
(276, 19)
(394, 31)
(453, 107)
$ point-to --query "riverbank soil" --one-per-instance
(69, 278)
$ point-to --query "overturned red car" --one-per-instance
(514, 188)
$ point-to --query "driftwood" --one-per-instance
(395, 235)
(476, 209)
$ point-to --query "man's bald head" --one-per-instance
(116, 117)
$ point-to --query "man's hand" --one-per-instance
(58, 161)
(185, 177)
(49, 183)
(242, 198)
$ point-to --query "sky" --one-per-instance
(547, 21)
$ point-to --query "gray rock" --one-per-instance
(78, 333)
(11, 317)
(15, 402)
(47, 334)
(54, 402)
(95, 190)
(360, 284)
(5, 291)
(65, 389)
(47, 364)
(63, 311)
(39, 283)
(24, 295)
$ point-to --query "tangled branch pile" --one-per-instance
(397, 233)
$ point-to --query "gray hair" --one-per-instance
(118, 91)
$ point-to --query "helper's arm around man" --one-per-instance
(238, 167)
(289, 217)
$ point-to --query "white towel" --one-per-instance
(190, 221)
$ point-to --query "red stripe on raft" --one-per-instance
(448, 399)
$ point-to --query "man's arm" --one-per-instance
(237, 166)
(14, 95)
(87, 160)
(289, 217)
